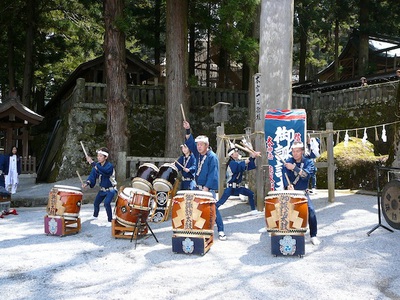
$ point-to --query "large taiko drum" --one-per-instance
(145, 176)
(193, 212)
(64, 201)
(286, 211)
(132, 208)
(166, 178)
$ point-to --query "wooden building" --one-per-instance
(15, 122)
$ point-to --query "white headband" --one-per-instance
(102, 152)
(202, 139)
(232, 150)
(298, 145)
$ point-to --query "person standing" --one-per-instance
(298, 169)
(187, 166)
(2, 178)
(12, 169)
(104, 171)
(234, 175)
(207, 170)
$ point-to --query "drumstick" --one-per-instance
(280, 158)
(246, 149)
(179, 164)
(283, 161)
(84, 150)
(79, 176)
(252, 151)
(183, 113)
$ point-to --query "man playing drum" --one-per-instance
(298, 170)
(187, 165)
(207, 171)
(104, 171)
(234, 175)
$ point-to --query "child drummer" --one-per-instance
(104, 171)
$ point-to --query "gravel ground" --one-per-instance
(348, 264)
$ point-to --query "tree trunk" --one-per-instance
(336, 59)
(28, 68)
(115, 69)
(157, 33)
(364, 40)
(303, 52)
(11, 66)
(176, 76)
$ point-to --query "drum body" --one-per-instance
(166, 178)
(286, 211)
(193, 212)
(132, 208)
(64, 201)
(145, 177)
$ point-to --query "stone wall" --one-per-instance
(86, 122)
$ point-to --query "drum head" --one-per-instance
(194, 192)
(128, 191)
(150, 165)
(286, 192)
(68, 188)
(390, 203)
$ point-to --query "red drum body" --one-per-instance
(132, 208)
(145, 177)
(193, 212)
(166, 178)
(64, 201)
(286, 211)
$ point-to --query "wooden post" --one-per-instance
(221, 159)
(331, 163)
(120, 168)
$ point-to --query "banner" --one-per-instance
(282, 128)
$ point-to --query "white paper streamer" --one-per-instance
(346, 139)
(365, 137)
(384, 137)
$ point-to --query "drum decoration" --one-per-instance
(160, 207)
(145, 176)
(166, 178)
(63, 210)
(390, 203)
(162, 204)
(286, 211)
(286, 216)
(193, 219)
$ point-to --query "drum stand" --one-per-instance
(138, 227)
(379, 202)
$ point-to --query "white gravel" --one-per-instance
(348, 264)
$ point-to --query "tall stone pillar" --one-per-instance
(274, 89)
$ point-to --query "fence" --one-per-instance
(28, 165)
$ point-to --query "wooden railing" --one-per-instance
(199, 96)
(28, 165)
(348, 98)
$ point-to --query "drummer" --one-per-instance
(187, 165)
(104, 171)
(207, 171)
(299, 169)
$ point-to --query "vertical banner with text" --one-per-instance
(282, 128)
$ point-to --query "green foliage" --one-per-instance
(355, 165)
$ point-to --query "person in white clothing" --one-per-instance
(12, 170)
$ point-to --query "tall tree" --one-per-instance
(363, 48)
(28, 67)
(177, 74)
(115, 67)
